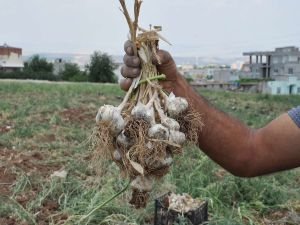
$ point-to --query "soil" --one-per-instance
(11, 221)
(14, 163)
(7, 179)
(5, 129)
(77, 115)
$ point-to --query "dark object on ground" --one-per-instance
(166, 216)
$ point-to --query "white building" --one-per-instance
(10, 59)
(290, 86)
(58, 66)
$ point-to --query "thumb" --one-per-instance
(165, 64)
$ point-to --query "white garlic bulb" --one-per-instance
(171, 124)
(159, 132)
(177, 137)
(108, 113)
(140, 111)
(143, 183)
(149, 145)
(176, 105)
(123, 140)
(168, 161)
(117, 155)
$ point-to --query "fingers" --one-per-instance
(130, 72)
(128, 48)
(166, 65)
(125, 84)
(131, 68)
(131, 61)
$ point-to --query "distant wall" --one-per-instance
(283, 87)
(8, 50)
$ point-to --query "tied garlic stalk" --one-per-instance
(144, 132)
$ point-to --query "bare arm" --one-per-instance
(242, 151)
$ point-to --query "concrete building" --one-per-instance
(282, 66)
(212, 73)
(276, 64)
(10, 59)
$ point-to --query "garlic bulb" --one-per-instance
(170, 123)
(168, 161)
(117, 155)
(143, 183)
(176, 105)
(149, 145)
(108, 113)
(123, 140)
(177, 137)
(159, 163)
(158, 131)
(140, 111)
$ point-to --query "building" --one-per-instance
(275, 64)
(58, 66)
(211, 73)
(10, 59)
(282, 66)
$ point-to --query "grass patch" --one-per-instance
(49, 126)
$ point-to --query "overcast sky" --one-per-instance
(222, 28)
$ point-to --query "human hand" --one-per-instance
(131, 69)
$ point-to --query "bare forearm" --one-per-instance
(222, 138)
(243, 151)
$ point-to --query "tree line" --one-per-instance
(100, 69)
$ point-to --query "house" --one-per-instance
(10, 59)
(216, 73)
(282, 66)
(58, 66)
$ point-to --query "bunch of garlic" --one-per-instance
(142, 134)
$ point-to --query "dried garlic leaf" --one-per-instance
(135, 165)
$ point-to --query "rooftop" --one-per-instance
(289, 50)
(8, 46)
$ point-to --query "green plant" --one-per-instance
(38, 64)
(101, 68)
(71, 72)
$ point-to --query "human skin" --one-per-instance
(242, 151)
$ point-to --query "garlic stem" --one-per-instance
(84, 217)
(152, 78)
(165, 98)
(128, 94)
(164, 95)
(152, 100)
(158, 108)
(165, 120)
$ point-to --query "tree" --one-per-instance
(37, 64)
(72, 72)
(101, 68)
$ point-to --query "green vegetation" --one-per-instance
(72, 72)
(36, 64)
(101, 68)
(251, 80)
(45, 127)
(23, 75)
